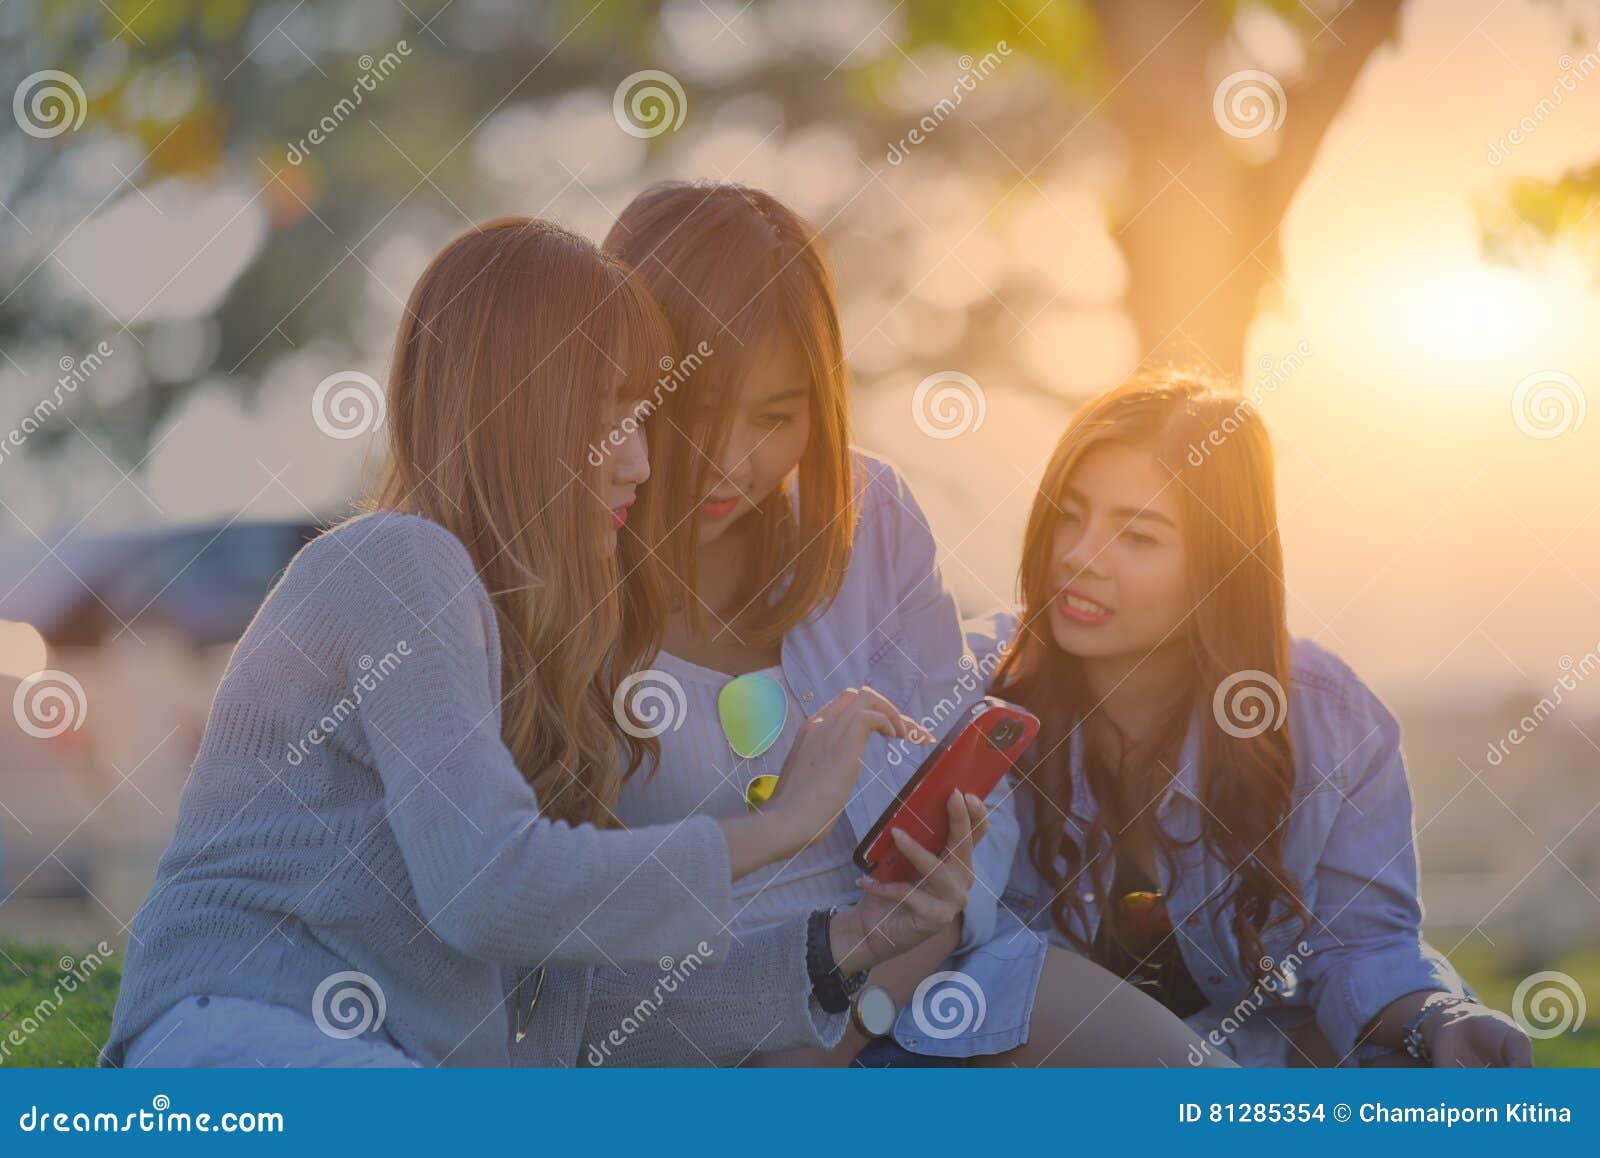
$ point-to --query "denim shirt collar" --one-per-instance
(1185, 778)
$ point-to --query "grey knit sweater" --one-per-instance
(353, 808)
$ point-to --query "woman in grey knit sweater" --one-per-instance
(403, 793)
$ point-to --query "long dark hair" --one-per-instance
(1218, 450)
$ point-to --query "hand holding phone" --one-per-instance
(891, 919)
(970, 761)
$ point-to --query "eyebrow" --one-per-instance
(785, 396)
(1128, 513)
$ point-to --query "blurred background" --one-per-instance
(1379, 218)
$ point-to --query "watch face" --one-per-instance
(875, 1011)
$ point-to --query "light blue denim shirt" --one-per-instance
(894, 627)
(1349, 843)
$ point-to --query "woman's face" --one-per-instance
(769, 425)
(1117, 556)
(626, 467)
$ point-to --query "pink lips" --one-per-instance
(1088, 616)
(718, 508)
(619, 516)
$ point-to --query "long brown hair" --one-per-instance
(730, 266)
(518, 342)
(1219, 454)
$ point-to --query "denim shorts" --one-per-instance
(887, 1053)
(240, 1031)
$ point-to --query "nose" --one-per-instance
(733, 462)
(1079, 552)
(630, 464)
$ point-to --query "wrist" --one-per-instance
(1417, 1035)
(846, 942)
(832, 986)
(774, 833)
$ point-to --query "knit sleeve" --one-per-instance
(715, 1009)
(493, 877)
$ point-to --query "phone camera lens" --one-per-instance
(1004, 734)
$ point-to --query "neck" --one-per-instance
(1137, 691)
(720, 571)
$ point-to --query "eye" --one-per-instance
(1139, 537)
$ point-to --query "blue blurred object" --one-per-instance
(206, 581)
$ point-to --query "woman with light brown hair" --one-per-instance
(403, 795)
(1213, 811)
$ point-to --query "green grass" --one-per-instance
(1496, 981)
(70, 1034)
(55, 1027)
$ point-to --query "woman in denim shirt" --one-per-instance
(1243, 802)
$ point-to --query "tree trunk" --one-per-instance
(1200, 230)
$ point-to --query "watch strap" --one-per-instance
(832, 989)
(1416, 1046)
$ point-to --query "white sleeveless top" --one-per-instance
(700, 773)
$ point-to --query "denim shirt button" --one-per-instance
(808, 697)
(1192, 920)
(1215, 979)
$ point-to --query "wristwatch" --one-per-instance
(1416, 1045)
(832, 989)
(873, 1012)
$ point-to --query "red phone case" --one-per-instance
(972, 759)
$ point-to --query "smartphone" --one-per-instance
(972, 758)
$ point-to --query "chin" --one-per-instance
(711, 530)
(1083, 642)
